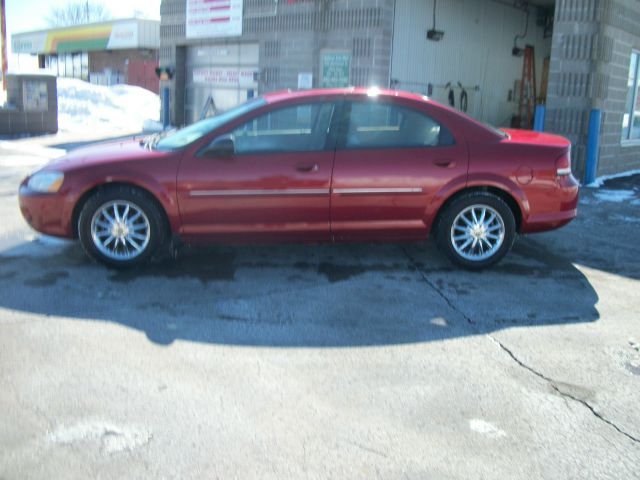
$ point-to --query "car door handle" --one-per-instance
(444, 162)
(307, 168)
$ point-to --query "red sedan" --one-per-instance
(336, 165)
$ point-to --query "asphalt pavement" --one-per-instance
(332, 361)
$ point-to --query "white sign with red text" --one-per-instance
(228, 77)
(213, 18)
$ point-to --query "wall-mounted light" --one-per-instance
(433, 34)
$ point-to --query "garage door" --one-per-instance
(219, 77)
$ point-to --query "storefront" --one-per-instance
(106, 53)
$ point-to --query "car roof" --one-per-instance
(274, 97)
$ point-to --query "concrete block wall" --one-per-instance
(590, 54)
(291, 41)
(621, 22)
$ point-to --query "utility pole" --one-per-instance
(3, 33)
(86, 9)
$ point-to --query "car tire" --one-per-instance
(121, 226)
(476, 230)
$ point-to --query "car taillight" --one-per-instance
(563, 165)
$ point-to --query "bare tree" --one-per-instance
(77, 12)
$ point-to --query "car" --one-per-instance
(324, 165)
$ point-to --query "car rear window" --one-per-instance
(380, 125)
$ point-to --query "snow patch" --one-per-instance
(439, 321)
(19, 161)
(598, 182)
(625, 218)
(151, 126)
(485, 428)
(110, 438)
(84, 107)
(31, 149)
(617, 196)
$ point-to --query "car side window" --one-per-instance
(384, 125)
(299, 128)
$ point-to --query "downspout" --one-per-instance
(393, 42)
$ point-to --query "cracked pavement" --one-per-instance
(346, 361)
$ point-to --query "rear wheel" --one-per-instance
(476, 230)
(121, 227)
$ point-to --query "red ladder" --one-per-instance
(528, 89)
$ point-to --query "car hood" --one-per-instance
(104, 153)
(530, 137)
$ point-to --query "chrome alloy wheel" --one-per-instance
(120, 230)
(477, 232)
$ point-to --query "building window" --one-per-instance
(631, 118)
(71, 65)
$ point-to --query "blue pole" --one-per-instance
(593, 146)
(538, 118)
(165, 107)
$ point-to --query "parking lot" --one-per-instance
(332, 361)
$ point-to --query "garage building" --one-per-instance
(493, 58)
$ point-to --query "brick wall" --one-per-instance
(590, 55)
(136, 65)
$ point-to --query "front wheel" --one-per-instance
(120, 227)
(476, 230)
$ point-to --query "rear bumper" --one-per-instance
(45, 212)
(549, 221)
(564, 207)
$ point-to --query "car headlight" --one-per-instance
(46, 182)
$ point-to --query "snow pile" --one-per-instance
(618, 196)
(84, 107)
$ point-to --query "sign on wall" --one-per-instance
(335, 69)
(35, 96)
(305, 80)
(79, 38)
(224, 77)
(123, 35)
(210, 19)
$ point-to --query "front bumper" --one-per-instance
(45, 212)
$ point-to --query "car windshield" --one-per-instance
(193, 132)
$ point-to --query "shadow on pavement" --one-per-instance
(301, 296)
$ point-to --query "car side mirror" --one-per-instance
(221, 147)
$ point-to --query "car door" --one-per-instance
(390, 162)
(274, 186)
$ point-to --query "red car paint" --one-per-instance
(310, 196)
